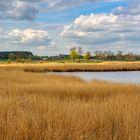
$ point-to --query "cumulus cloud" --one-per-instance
(30, 37)
(97, 26)
(17, 9)
(39, 41)
(119, 27)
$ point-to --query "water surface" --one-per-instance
(123, 77)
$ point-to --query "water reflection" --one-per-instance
(123, 77)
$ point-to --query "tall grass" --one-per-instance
(50, 107)
(71, 67)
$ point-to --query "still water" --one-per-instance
(123, 77)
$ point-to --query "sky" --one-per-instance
(52, 27)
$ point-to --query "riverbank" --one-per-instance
(39, 106)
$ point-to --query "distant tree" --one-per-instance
(130, 57)
(104, 55)
(73, 54)
(79, 53)
(35, 57)
(97, 54)
(12, 56)
(108, 55)
(119, 55)
(87, 56)
(100, 55)
(15, 55)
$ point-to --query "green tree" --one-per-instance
(87, 56)
(73, 54)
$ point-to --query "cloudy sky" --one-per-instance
(51, 27)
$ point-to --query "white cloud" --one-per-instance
(17, 9)
(132, 9)
(30, 36)
(121, 27)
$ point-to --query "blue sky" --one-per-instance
(48, 27)
(69, 15)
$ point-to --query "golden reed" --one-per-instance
(37, 106)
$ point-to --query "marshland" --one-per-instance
(38, 106)
(69, 69)
(93, 67)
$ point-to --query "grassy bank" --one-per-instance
(48, 107)
(72, 67)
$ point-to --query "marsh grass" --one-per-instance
(72, 67)
(36, 106)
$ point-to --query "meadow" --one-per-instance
(37, 106)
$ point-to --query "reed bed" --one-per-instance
(72, 67)
(37, 106)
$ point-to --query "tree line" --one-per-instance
(77, 53)
(13, 55)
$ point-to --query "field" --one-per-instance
(37, 106)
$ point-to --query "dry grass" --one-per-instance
(50, 107)
(70, 67)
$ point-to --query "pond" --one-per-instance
(123, 77)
